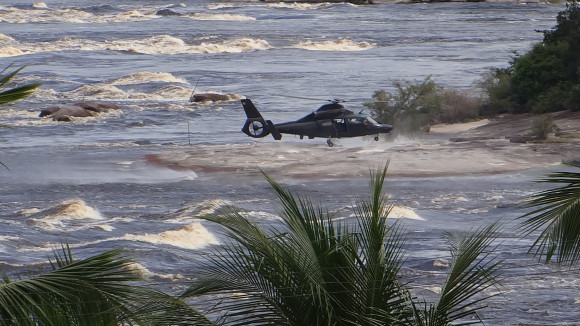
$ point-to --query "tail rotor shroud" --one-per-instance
(255, 125)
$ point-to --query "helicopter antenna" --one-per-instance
(188, 134)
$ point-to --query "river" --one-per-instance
(87, 182)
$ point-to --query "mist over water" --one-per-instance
(88, 182)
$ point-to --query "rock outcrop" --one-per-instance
(80, 109)
(212, 97)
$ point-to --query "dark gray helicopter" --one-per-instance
(331, 120)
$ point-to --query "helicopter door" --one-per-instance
(341, 127)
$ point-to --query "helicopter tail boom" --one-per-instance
(255, 125)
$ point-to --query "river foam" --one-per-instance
(154, 45)
(191, 236)
(338, 45)
(72, 214)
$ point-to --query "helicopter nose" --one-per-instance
(386, 128)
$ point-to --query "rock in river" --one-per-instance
(80, 109)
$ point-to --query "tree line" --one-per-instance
(545, 79)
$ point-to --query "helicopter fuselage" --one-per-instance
(329, 121)
(355, 126)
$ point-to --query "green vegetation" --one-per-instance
(557, 211)
(408, 108)
(16, 93)
(546, 79)
(542, 125)
(101, 290)
(414, 106)
(13, 94)
(496, 90)
(315, 270)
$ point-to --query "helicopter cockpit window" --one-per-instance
(360, 120)
(372, 121)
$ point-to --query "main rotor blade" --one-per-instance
(337, 100)
(304, 98)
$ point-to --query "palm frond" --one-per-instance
(16, 93)
(99, 290)
(471, 274)
(556, 210)
(313, 270)
(381, 255)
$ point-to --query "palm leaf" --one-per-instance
(100, 290)
(472, 272)
(16, 93)
(311, 270)
(557, 211)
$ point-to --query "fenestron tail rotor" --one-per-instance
(255, 125)
(256, 128)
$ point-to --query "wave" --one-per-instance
(175, 88)
(102, 91)
(301, 5)
(69, 214)
(206, 207)
(5, 38)
(192, 236)
(154, 45)
(136, 91)
(146, 76)
(404, 212)
(258, 215)
(40, 13)
(229, 17)
(43, 13)
(169, 45)
(10, 52)
(149, 275)
(218, 6)
(8, 238)
(339, 45)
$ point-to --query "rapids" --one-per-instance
(89, 182)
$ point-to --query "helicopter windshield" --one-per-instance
(371, 121)
(366, 120)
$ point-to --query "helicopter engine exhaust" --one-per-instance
(255, 125)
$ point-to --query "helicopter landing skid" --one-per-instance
(329, 142)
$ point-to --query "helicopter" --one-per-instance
(329, 121)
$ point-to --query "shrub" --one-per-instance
(573, 99)
(542, 126)
(457, 106)
(496, 92)
(414, 106)
(538, 76)
(410, 106)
